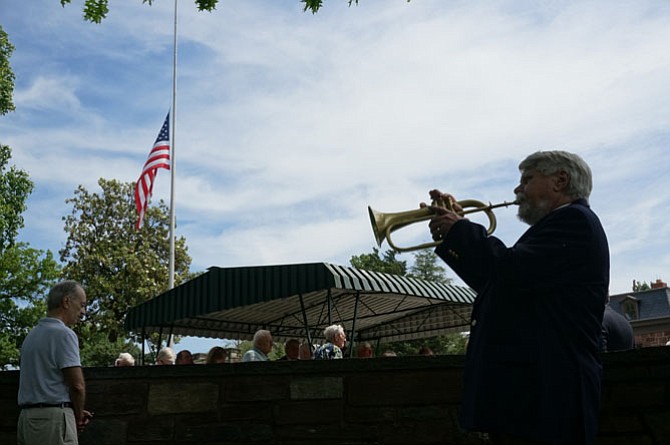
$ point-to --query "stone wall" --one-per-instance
(395, 400)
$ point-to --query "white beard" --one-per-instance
(532, 213)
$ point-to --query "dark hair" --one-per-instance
(214, 354)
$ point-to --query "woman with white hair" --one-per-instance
(335, 340)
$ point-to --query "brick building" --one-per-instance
(648, 312)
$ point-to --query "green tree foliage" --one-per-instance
(25, 273)
(118, 266)
(386, 264)
(16, 320)
(639, 286)
(99, 351)
(443, 344)
(96, 10)
(25, 277)
(426, 267)
(6, 74)
(15, 187)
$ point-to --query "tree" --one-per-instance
(6, 74)
(426, 267)
(25, 273)
(372, 261)
(451, 344)
(118, 266)
(96, 10)
(25, 277)
(639, 286)
(99, 351)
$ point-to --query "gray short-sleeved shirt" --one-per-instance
(47, 350)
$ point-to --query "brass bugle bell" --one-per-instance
(383, 224)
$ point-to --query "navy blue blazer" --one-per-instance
(532, 365)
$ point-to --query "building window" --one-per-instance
(630, 308)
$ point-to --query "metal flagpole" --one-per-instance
(172, 159)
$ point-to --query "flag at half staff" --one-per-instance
(159, 157)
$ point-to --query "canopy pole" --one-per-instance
(330, 304)
(304, 320)
(160, 341)
(353, 325)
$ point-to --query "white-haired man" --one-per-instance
(532, 372)
(261, 349)
(52, 390)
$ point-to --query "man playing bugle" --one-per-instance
(532, 373)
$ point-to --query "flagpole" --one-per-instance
(173, 163)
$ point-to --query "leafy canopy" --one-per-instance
(119, 267)
(96, 10)
(25, 273)
(6, 74)
(388, 263)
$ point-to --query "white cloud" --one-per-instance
(50, 94)
(289, 124)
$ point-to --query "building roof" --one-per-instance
(653, 303)
(295, 300)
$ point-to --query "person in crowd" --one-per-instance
(262, 346)
(125, 359)
(291, 350)
(389, 353)
(216, 355)
(533, 370)
(184, 357)
(617, 333)
(425, 350)
(52, 390)
(165, 356)
(306, 351)
(364, 350)
(335, 340)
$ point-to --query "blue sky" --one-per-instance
(290, 124)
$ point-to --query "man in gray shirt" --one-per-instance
(52, 390)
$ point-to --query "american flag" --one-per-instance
(159, 157)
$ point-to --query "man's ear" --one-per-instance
(561, 181)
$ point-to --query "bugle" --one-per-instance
(383, 224)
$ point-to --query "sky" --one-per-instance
(289, 124)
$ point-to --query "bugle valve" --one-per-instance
(383, 224)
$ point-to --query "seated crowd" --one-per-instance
(262, 344)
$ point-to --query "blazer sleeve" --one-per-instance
(552, 252)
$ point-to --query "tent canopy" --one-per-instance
(300, 300)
